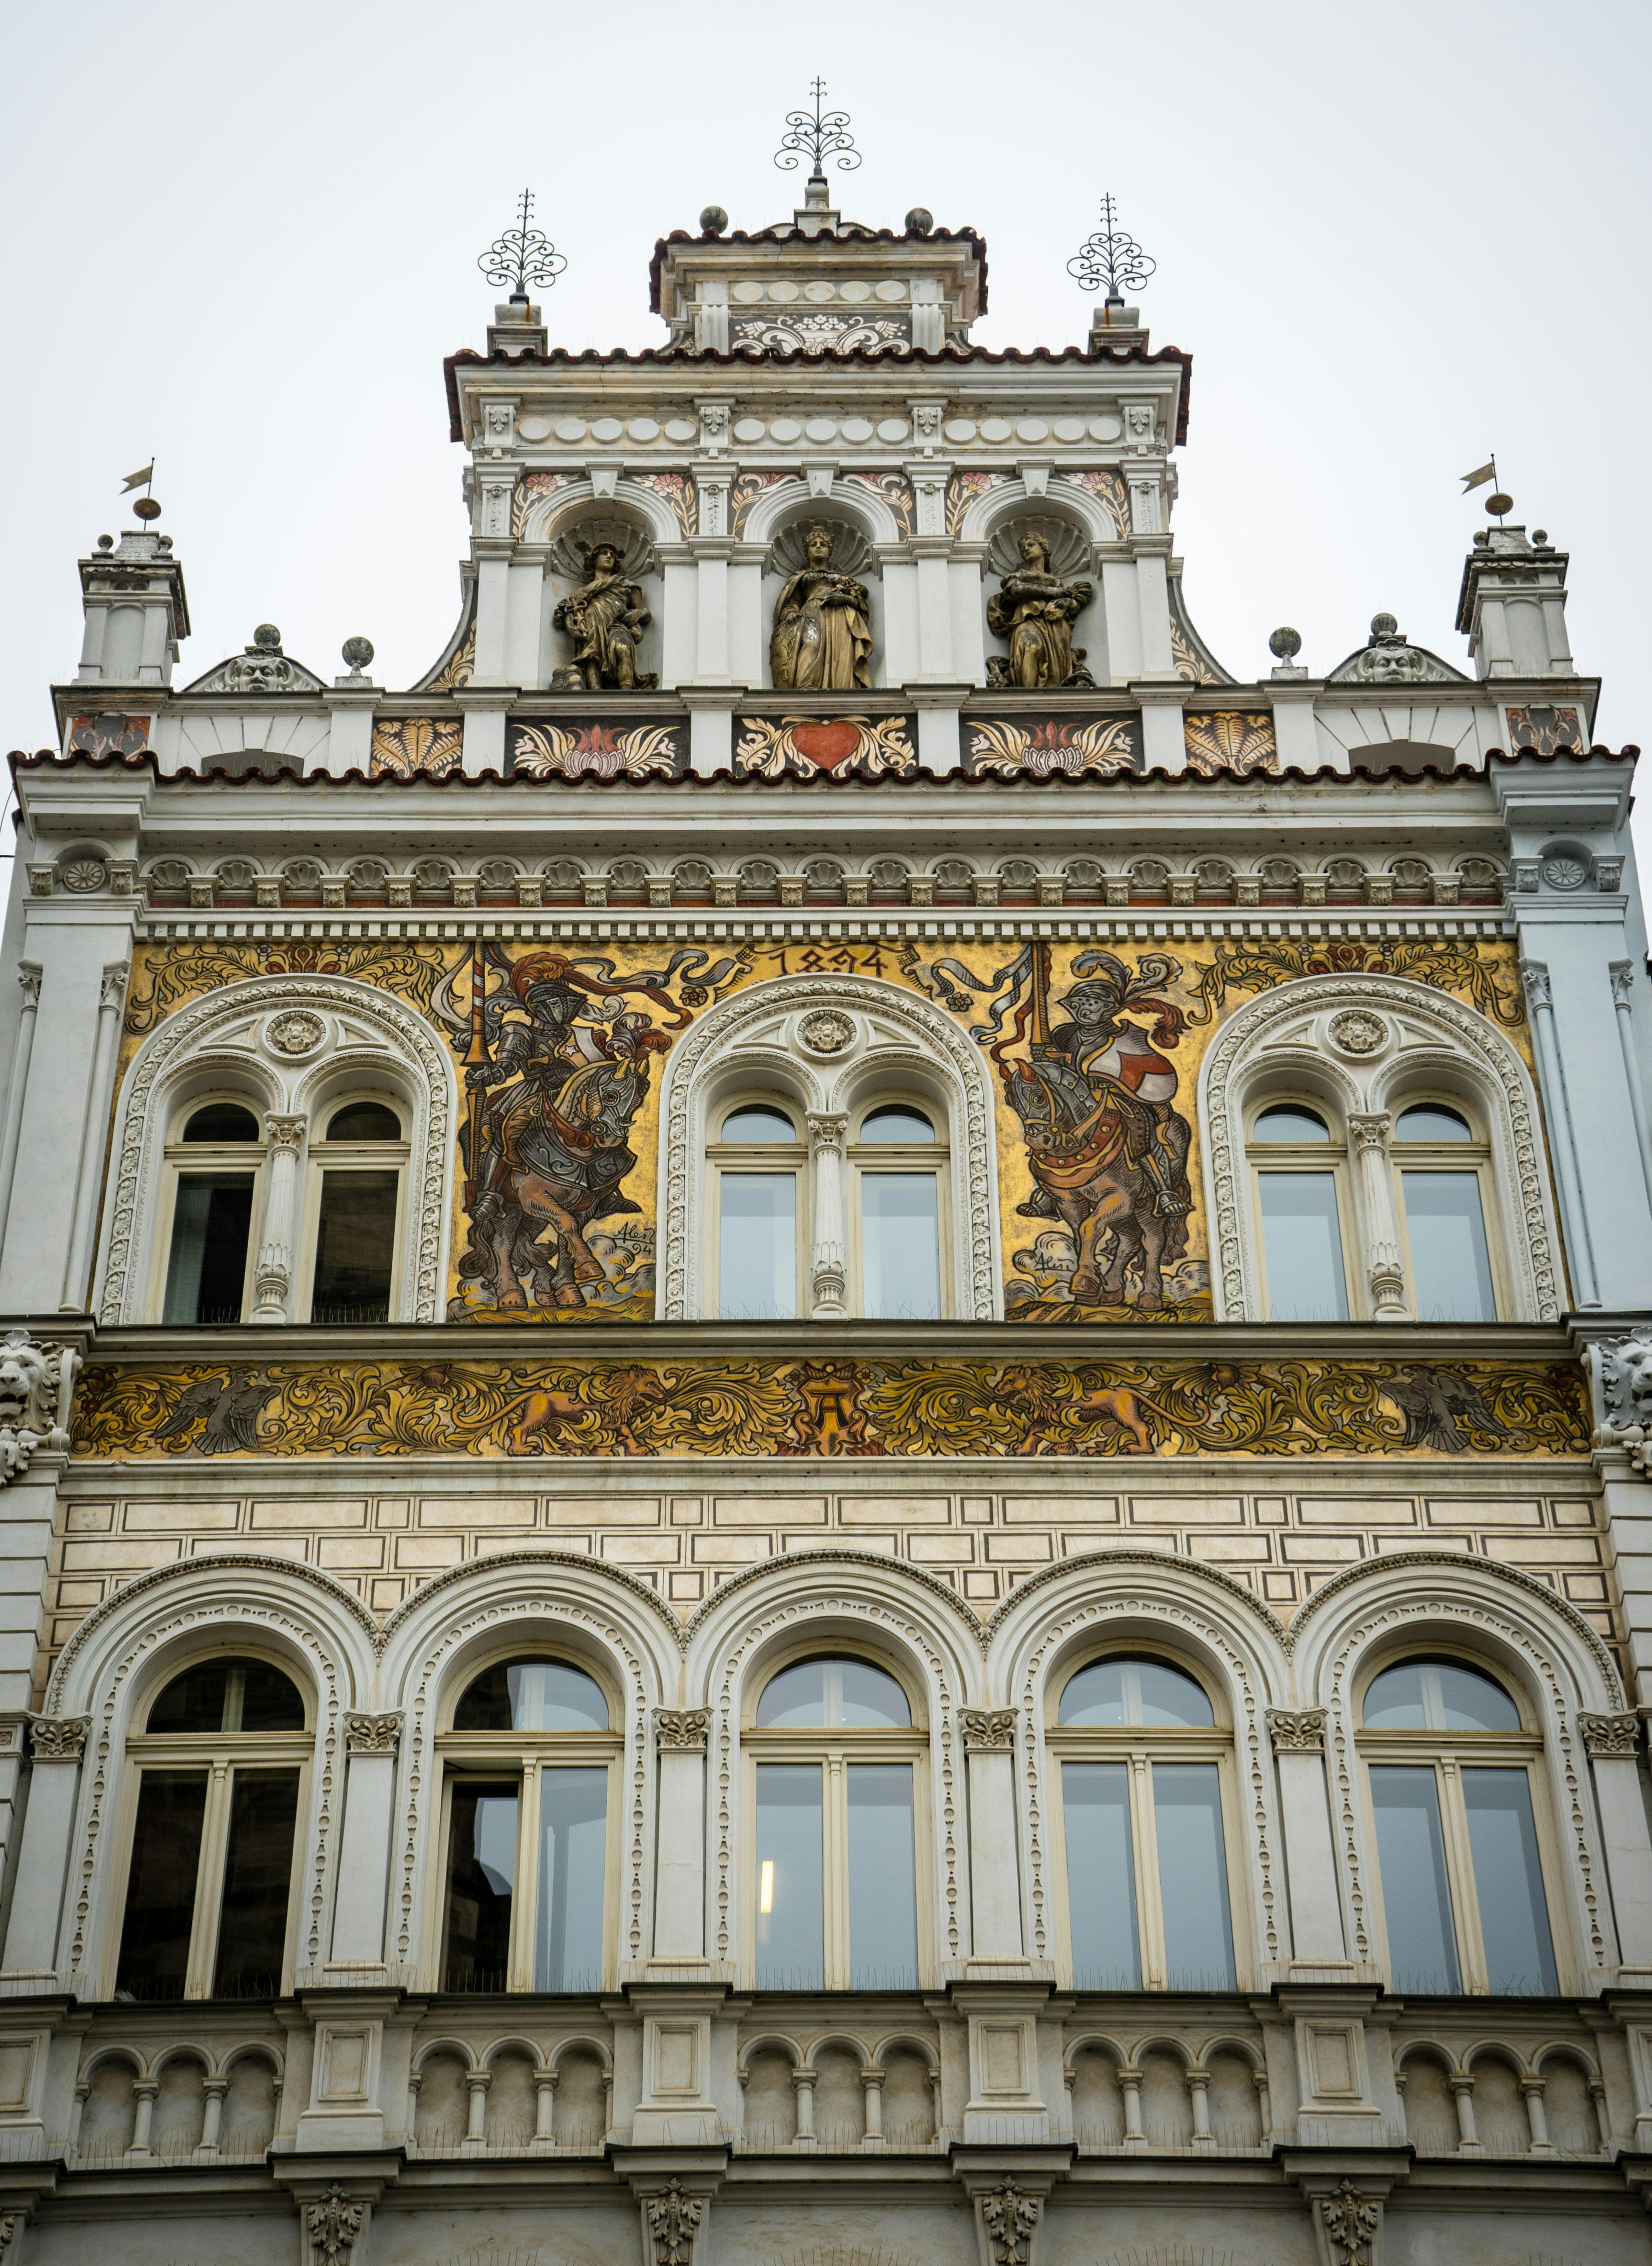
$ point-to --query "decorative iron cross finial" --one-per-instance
(523, 255)
(1112, 258)
(816, 135)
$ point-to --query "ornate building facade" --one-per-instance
(824, 1439)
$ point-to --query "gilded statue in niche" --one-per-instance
(606, 617)
(821, 638)
(1035, 609)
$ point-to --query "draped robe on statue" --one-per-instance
(821, 638)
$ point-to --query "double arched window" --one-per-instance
(836, 1763)
(218, 1777)
(1427, 1174)
(1452, 1766)
(227, 1196)
(527, 1765)
(1143, 1764)
(773, 1217)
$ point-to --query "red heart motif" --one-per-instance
(827, 744)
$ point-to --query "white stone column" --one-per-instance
(364, 1844)
(1316, 1908)
(273, 1284)
(57, 1743)
(22, 1048)
(995, 1871)
(484, 715)
(1381, 1255)
(1612, 1742)
(829, 1231)
(76, 1291)
(1562, 1139)
(493, 613)
(679, 1879)
(1622, 973)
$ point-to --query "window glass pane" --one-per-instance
(1514, 1915)
(481, 1878)
(1192, 1877)
(1101, 1876)
(364, 1121)
(1303, 1245)
(258, 1870)
(900, 1246)
(897, 1121)
(1288, 1120)
(1135, 1691)
(160, 1896)
(270, 1701)
(758, 1247)
(355, 1244)
(221, 1121)
(818, 1694)
(193, 1702)
(757, 1123)
(1411, 1851)
(791, 1927)
(1438, 1695)
(882, 1878)
(1429, 1120)
(533, 1695)
(206, 1269)
(568, 1953)
(1451, 1269)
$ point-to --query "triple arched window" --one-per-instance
(1418, 1210)
(784, 1211)
(231, 1202)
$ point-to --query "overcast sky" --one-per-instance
(242, 239)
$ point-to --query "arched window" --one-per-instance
(354, 1201)
(1143, 1761)
(527, 1767)
(1451, 1767)
(835, 1761)
(1297, 1163)
(1441, 1162)
(219, 1770)
(214, 1165)
(759, 1161)
(898, 1159)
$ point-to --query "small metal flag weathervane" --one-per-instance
(1497, 503)
(146, 507)
(1112, 258)
(817, 135)
(523, 255)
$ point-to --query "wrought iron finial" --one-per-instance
(817, 135)
(523, 255)
(1112, 258)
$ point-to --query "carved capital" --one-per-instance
(673, 2219)
(29, 974)
(58, 1738)
(681, 1730)
(333, 2226)
(1010, 2217)
(1622, 974)
(1534, 975)
(1297, 1730)
(373, 1735)
(285, 1133)
(826, 1132)
(988, 1730)
(1610, 1734)
(1351, 2220)
(1369, 1130)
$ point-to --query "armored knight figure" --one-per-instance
(606, 617)
(821, 639)
(1035, 610)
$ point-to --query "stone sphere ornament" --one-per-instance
(1285, 643)
(267, 637)
(713, 221)
(358, 651)
(919, 221)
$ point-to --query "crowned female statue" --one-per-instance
(821, 639)
(1035, 610)
(606, 617)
